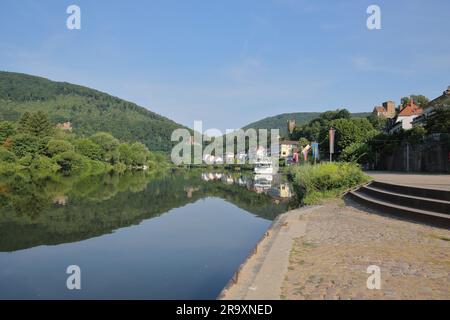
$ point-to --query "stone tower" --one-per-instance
(389, 106)
(291, 126)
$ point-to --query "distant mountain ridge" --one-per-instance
(280, 121)
(87, 109)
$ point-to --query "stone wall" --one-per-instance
(430, 155)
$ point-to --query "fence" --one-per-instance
(432, 154)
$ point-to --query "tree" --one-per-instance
(7, 156)
(109, 146)
(23, 144)
(303, 141)
(69, 162)
(7, 129)
(378, 122)
(36, 124)
(125, 154)
(89, 148)
(349, 131)
(439, 122)
(419, 100)
(56, 146)
(139, 154)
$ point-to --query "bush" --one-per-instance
(7, 156)
(89, 148)
(44, 166)
(23, 144)
(69, 162)
(56, 146)
(315, 182)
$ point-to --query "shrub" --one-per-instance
(89, 148)
(7, 156)
(314, 182)
(69, 162)
(56, 146)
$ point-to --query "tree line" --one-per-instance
(33, 143)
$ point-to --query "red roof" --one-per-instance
(410, 109)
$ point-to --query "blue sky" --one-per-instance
(230, 62)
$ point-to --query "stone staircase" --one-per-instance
(429, 206)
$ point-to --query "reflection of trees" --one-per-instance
(29, 215)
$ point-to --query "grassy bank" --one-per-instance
(314, 183)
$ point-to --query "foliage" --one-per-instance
(7, 156)
(7, 129)
(301, 119)
(89, 148)
(43, 150)
(57, 146)
(303, 142)
(36, 124)
(419, 100)
(88, 110)
(349, 131)
(315, 182)
(439, 122)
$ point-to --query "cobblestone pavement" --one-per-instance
(330, 260)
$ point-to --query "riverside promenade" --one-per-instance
(323, 252)
(431, 181)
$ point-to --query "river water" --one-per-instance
(177, 235)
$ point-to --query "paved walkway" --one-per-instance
(431, 181)
(323, 253)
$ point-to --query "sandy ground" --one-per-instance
(324, 252)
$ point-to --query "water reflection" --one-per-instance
(59, 210)
(275, 186)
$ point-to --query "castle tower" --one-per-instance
(291, 126)
(389, 106)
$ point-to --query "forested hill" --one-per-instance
(88, 110)
(280, 121)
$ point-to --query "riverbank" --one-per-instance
(323, 252)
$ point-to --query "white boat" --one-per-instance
(263, 167)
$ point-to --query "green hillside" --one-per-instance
(88, 110)
(280, 121)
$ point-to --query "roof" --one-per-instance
(379, 109)
(410, 109)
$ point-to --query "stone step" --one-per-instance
(405, 200)
(424, 216)
(413, 191)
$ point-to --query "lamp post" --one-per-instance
(331, 138)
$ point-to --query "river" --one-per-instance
(175, 235)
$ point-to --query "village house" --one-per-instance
(429, 111)
(387, 110)
(405, 117)
(288, 148)
(66, 126)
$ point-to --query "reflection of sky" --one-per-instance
(187, 253)
(232, 62)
